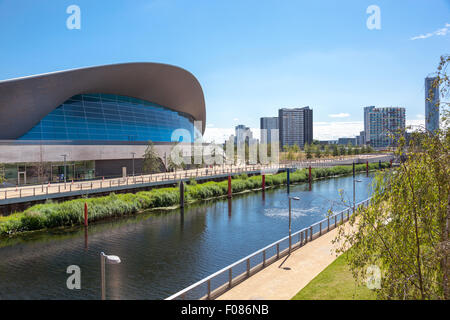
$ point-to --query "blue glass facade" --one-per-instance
(105, 117)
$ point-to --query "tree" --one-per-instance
(335, 150)
(2, 173)
(326, 150)
(404, 232)
(349, 149)
(317, 151)
(152, 162)
(307, 149)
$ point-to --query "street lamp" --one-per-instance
(110, 260)
(290, 239)
(65, 156)
(133, 153)
(354, 183)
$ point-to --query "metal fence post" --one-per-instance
(230, 277)
(278, 250)
(209, 289)
(248, 267)
(264, 258)
(328, 226)
(310, 233)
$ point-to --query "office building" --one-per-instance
(267, 124)
(242, 134)
(295, 126)
(346, 141)
(382, 123)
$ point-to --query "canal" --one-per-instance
(163, 252)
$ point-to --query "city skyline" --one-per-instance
(317, 54)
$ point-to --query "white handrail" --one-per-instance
(212, 276)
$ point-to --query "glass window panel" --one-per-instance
(110, 117)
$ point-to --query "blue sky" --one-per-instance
(251, 57)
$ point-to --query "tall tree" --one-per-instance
(152, 162)
(404, 232)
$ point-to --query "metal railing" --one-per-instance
(137, 181)
(221, 281)
(131, 181)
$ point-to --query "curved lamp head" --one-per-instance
(111, 259)
(294, 198)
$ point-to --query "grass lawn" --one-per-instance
(335, 283)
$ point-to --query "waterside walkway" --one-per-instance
(284, 278)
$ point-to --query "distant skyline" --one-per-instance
(251, 57)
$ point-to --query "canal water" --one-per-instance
(163, 252)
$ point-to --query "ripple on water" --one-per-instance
(295, 212)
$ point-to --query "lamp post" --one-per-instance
(133, 153)
(65, 156)
(103, 260)
(354, 187)
(290, 239)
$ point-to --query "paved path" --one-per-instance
(284, 278)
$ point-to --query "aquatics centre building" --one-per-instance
(99, 119)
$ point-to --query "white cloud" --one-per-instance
(218, 135)
(439, 32)
(339, 115)
(334, 130)
(420, 116)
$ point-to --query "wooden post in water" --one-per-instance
(264, 182)
(288, 182)
(229, 186)
(85, 214)
(310, 178)
(181, 194)
(367, 168)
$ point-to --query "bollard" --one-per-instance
(367, 168)
(264, 182)
(390, 165)
(229, 186)
(181, 194)
(85, 214)
(379, 164)
(288, 182)
(310, 178)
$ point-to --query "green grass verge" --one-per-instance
(336, 282)
(70, 213)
